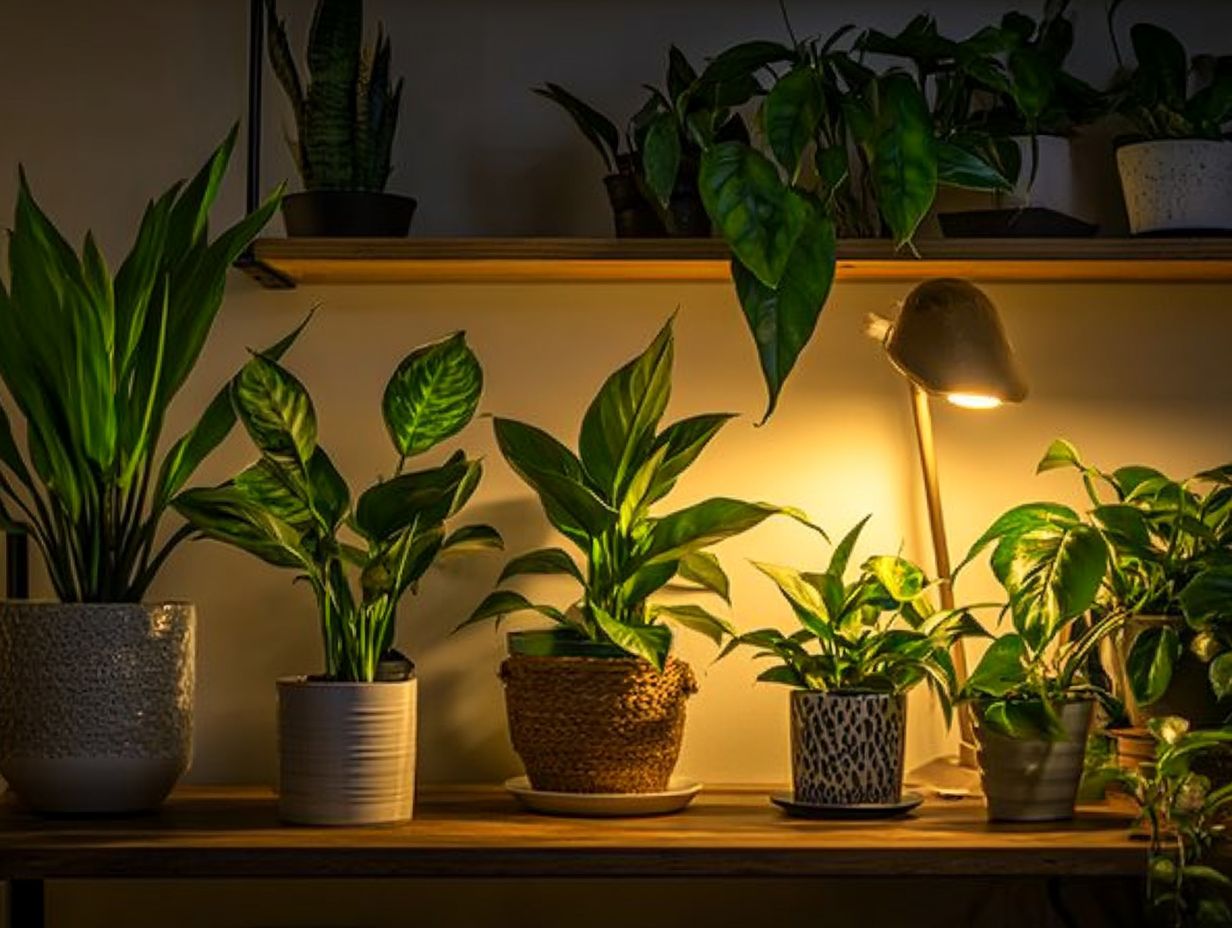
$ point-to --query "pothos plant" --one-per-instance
(1169, 550)
(92, 360)
(291, 506)
(601, 500)
(878, 633)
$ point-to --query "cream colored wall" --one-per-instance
(139, 91)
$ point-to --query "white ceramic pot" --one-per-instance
(96, 703)
(1035, 780)
(1177, 185)
(346, 752)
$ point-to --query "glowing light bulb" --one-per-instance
(973, 400)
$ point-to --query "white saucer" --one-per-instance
(679, 793)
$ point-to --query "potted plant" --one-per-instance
(1031, 693)
(346, 115)
(652, 172)
(596, 703)
(861, 647)
(1176, 165)
(347, 735)
(96, 688)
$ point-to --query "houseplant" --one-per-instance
(347, 736)
(596, 703)
(346, 116)
(1031, 692)
(96, 689)
(1176, 163)
(861, 646)
(652, 166)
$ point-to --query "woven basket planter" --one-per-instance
(596, 725)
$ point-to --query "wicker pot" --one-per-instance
(847, 748)
(95, 704)
(596, 724)
(1033, 779)
(1177, 186)
(346, 752)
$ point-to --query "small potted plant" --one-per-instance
(1176, 165)
(346, 116)
(596, 703)
(96, 688)
(347, 735)
(1032, 693)
(861, 647)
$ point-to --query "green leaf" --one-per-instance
(782, 674)
(226, 514)
(697, 619)
(661, 156)
(958, 166)
(1163, 67)
(902, 580)
(757, 214)
(684, 441)
(790, 114)
(473, 538)
(425, 498)
(842, 552)
(432, 395)
(279, 490)
(806, 600)
(703, 524)
(600, 131)
(275, 410)
(1054, 576)
(1220, 674)
(703, 568)
(542, 561)
(1208, 596)
(501, 603)
(1020, 520)
(1060, 453)
(1001, 670)
(1150, 662)
(651, 642)
(902, 153)
(329, 493)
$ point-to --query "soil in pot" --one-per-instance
(96, 704)
(603, 723)
(847, 748)
(1034, 779)
(1177, 186)
(347, 214)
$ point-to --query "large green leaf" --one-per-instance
(501, 603)
(842, 551)
(1018, 521)
(600, 131)
(661, 156)
(1163, 67)
(1150, 663)
(809, 605)
(958, 166)
(790, 114)
(432, 395)
(1054, 576)
(684, 441)
(542, 561)
(227, 514)
(426, 497)
(1001, 670)
(652, 642)
(758, 215)
(703, 524)
(704, 569)
(275, 410)
(902, 580)
(697, 619)
(902, 153)
(1208, 596)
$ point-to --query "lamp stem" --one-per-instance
(922, 413)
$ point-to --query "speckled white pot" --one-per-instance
(1177, 185)
(95, 703)
(346, 752)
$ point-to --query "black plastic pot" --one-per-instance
(632, 214)
(347, 214)
(1028, 222)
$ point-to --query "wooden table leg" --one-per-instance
(26, 904)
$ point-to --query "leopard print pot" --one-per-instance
(847, 748)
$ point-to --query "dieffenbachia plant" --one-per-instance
(878, 633)
(290, 507)
(92, 360)
(601, 499)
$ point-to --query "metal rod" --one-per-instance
(256, 61)
(922, 414)
(16, 566)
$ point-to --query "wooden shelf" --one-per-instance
(480, 832)
(286, 262)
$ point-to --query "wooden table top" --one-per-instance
(481, 832)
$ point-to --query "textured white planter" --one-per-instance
(95, 704)
(1177, 185)
(346, 752)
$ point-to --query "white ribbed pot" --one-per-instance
(1177, 185)
(96, 703)
(1033, 779)
(346, 751)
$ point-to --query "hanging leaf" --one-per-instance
(432, 395)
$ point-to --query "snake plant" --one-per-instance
(347, 112)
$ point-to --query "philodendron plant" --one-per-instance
(878, 633)
(601, 500)
(290, 507)
(93, 360)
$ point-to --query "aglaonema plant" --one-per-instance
(601, 499)
(92, 361)
(291, 507)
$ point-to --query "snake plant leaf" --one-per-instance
(902, 154)
(600, 131)
(652, 642)
(432, 395)
(227, 514)
(697, 619)
(1002, 668)
(425, 497)
(683, 441)
(698, 526)
(618, 429)
(275, 410)
(542, 561)
(501, 603)
(283, 60)
(327, 133)
(790, 115)
(758, 216)
(704, 569)
(1150, 663)
(661, 151)
(783, 318)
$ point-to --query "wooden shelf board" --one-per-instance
(287, 262)
(480, 832)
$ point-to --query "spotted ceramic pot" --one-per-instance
(1177, 185)
(847, 748)
(95, 703)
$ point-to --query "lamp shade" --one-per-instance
(948, 339)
